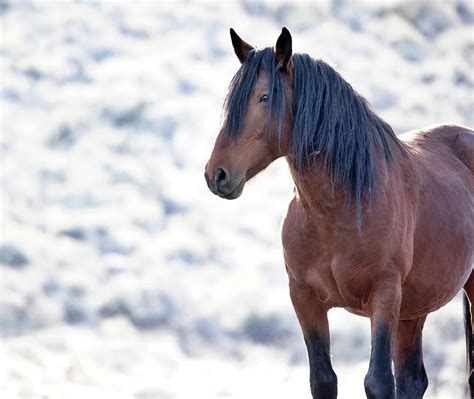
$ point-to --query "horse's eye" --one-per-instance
(264, 98)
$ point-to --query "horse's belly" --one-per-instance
(428, 287)
(442, 263)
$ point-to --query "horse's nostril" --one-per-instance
(220, 176)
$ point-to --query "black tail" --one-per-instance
(469, 343)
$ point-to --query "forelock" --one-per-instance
(241, 85)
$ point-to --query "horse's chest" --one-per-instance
(313, 269)
(334, 285)
(309, 262)
(319, 263)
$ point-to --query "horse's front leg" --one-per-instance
(384, 310)
(312, 316)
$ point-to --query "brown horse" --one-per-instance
(379, 225)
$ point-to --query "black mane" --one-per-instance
(330, 119)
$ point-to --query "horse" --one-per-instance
(380, 225)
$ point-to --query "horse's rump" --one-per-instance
(444, 189)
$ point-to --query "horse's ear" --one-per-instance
(283, 50)
(241, 47)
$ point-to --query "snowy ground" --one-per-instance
(121, 275)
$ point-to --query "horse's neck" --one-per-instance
(323, 200)
(315, 190)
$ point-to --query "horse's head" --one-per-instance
(257, 116)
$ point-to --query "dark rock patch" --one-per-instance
(13, 257)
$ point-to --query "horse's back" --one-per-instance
(443, 158)
(459, 139)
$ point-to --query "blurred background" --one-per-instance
(121, 275)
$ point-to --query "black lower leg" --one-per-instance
(379, 383)
(411, 377)
(323, 380)
(471, 383)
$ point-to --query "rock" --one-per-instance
(106, 243)
(127, 116)
(136, 33)
(171, 206)
(460, 78)
(431, 20)
(12, 256)
(410, 50)
(73, 311)
(20, 313)
(468, 53)
(100, 237)
(4, 6)
(165, 126)
(50, 287)
(34, 73)
(63, 139)
(465, 12)
(13, 318)
(146, 310)
(265, 329)
(187, 87)
(76, 233)
(428, 78)
(100, 54)
(207, 329)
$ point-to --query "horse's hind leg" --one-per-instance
(312, 317)
(410, 374)
(469, 329)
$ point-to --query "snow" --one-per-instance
(121, 275)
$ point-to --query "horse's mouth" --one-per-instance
(235, 193)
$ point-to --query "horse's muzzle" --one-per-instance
(221, 185)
